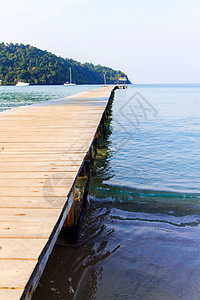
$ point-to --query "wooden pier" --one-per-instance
(42, 151)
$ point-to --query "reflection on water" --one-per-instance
(135, 243)
(123, 256)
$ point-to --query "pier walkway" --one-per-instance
(42, 150)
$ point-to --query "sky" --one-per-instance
(152, 41)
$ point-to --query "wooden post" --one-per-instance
(70, 220)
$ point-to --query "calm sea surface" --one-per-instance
(140, 238)
(12, 96)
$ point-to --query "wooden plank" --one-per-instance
(40, 202)
(38, 168)
(48, 127)
(43, 216)
(31, 191)
(25, 230)
(14, 157)
(26, 249)
(66, 163)
(81, 144)
(48, 182)
(38, 175)
(15, 273)
(10, 294)
(43, 151)
(45, 140)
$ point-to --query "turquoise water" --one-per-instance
(12, 96)
(146, 190)
(163, 152)
(140, 237)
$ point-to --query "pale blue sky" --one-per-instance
(152, 41)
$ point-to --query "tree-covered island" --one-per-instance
(20, 62)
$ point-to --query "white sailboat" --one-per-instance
(68, 83)
(21, 83)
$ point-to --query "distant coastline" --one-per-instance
(26, 63)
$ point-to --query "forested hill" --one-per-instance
(20, 62)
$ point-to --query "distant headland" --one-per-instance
(26, 63)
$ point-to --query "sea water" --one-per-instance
(13, 96)
(140, 237)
